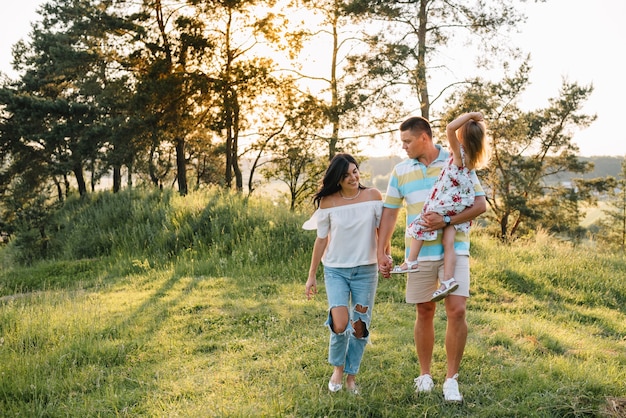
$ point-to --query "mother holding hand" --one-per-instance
(347, 219)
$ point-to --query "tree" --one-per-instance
(613, 225)
(528, 149)
(236, 70)
(169, 94)
(404, 49)
(54, 113)
(348, 103)
(338, 105)
(294, 152)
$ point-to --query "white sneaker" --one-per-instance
(451, 389)
(423, 383)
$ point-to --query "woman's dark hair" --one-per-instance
(337, 168)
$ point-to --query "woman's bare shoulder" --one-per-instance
(328, 201)
(374, 194)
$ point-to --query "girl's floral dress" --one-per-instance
(452, 193)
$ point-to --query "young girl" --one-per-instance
(452, 192)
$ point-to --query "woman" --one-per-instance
(346, 219)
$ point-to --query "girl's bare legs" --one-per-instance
(414, 250)
(448, 284)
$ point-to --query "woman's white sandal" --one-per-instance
(334, 387)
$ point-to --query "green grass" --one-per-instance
(199, 325)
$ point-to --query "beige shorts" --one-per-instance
(421, 284)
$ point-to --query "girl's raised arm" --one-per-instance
(453, 140)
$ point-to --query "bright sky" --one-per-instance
(580, 40)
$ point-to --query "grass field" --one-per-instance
(224, 330)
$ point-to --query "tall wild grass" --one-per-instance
(152, 304)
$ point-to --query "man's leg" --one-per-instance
(419, 288)
(424, 335)
(456, 332)
(456, 336)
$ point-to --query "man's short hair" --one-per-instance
(417, 124)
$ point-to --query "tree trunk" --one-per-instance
(237, 171)
(422, 85)
(66, 181)
(92, 178)
(57, 183)
(334, 107)
(152, 168)
(503, 227)
(235, 128)
(129, 176)
(181, 166)
(80, 179)
(117, 178)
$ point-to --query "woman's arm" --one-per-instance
(385, 232)
(318, 251)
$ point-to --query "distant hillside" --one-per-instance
(603, 166)
(375, 172)
(377, 169)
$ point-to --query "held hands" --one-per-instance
(385, 264)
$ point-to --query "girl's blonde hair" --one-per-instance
(473, 136)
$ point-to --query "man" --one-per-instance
(411, 182)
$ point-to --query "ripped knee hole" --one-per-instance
(360, 308)
(360, 329)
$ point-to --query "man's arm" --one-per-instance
(385, 231)
(434, 221)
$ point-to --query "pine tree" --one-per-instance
(613, 225)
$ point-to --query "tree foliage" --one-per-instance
(58, 119)
(343, 101)
(179, 93)
(198, 78)
(295, 155)
(527, 149)
(55, 112)
(404, 49)
(613, 226)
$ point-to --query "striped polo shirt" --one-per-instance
(410, 183)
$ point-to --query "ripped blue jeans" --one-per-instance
(355, 288)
